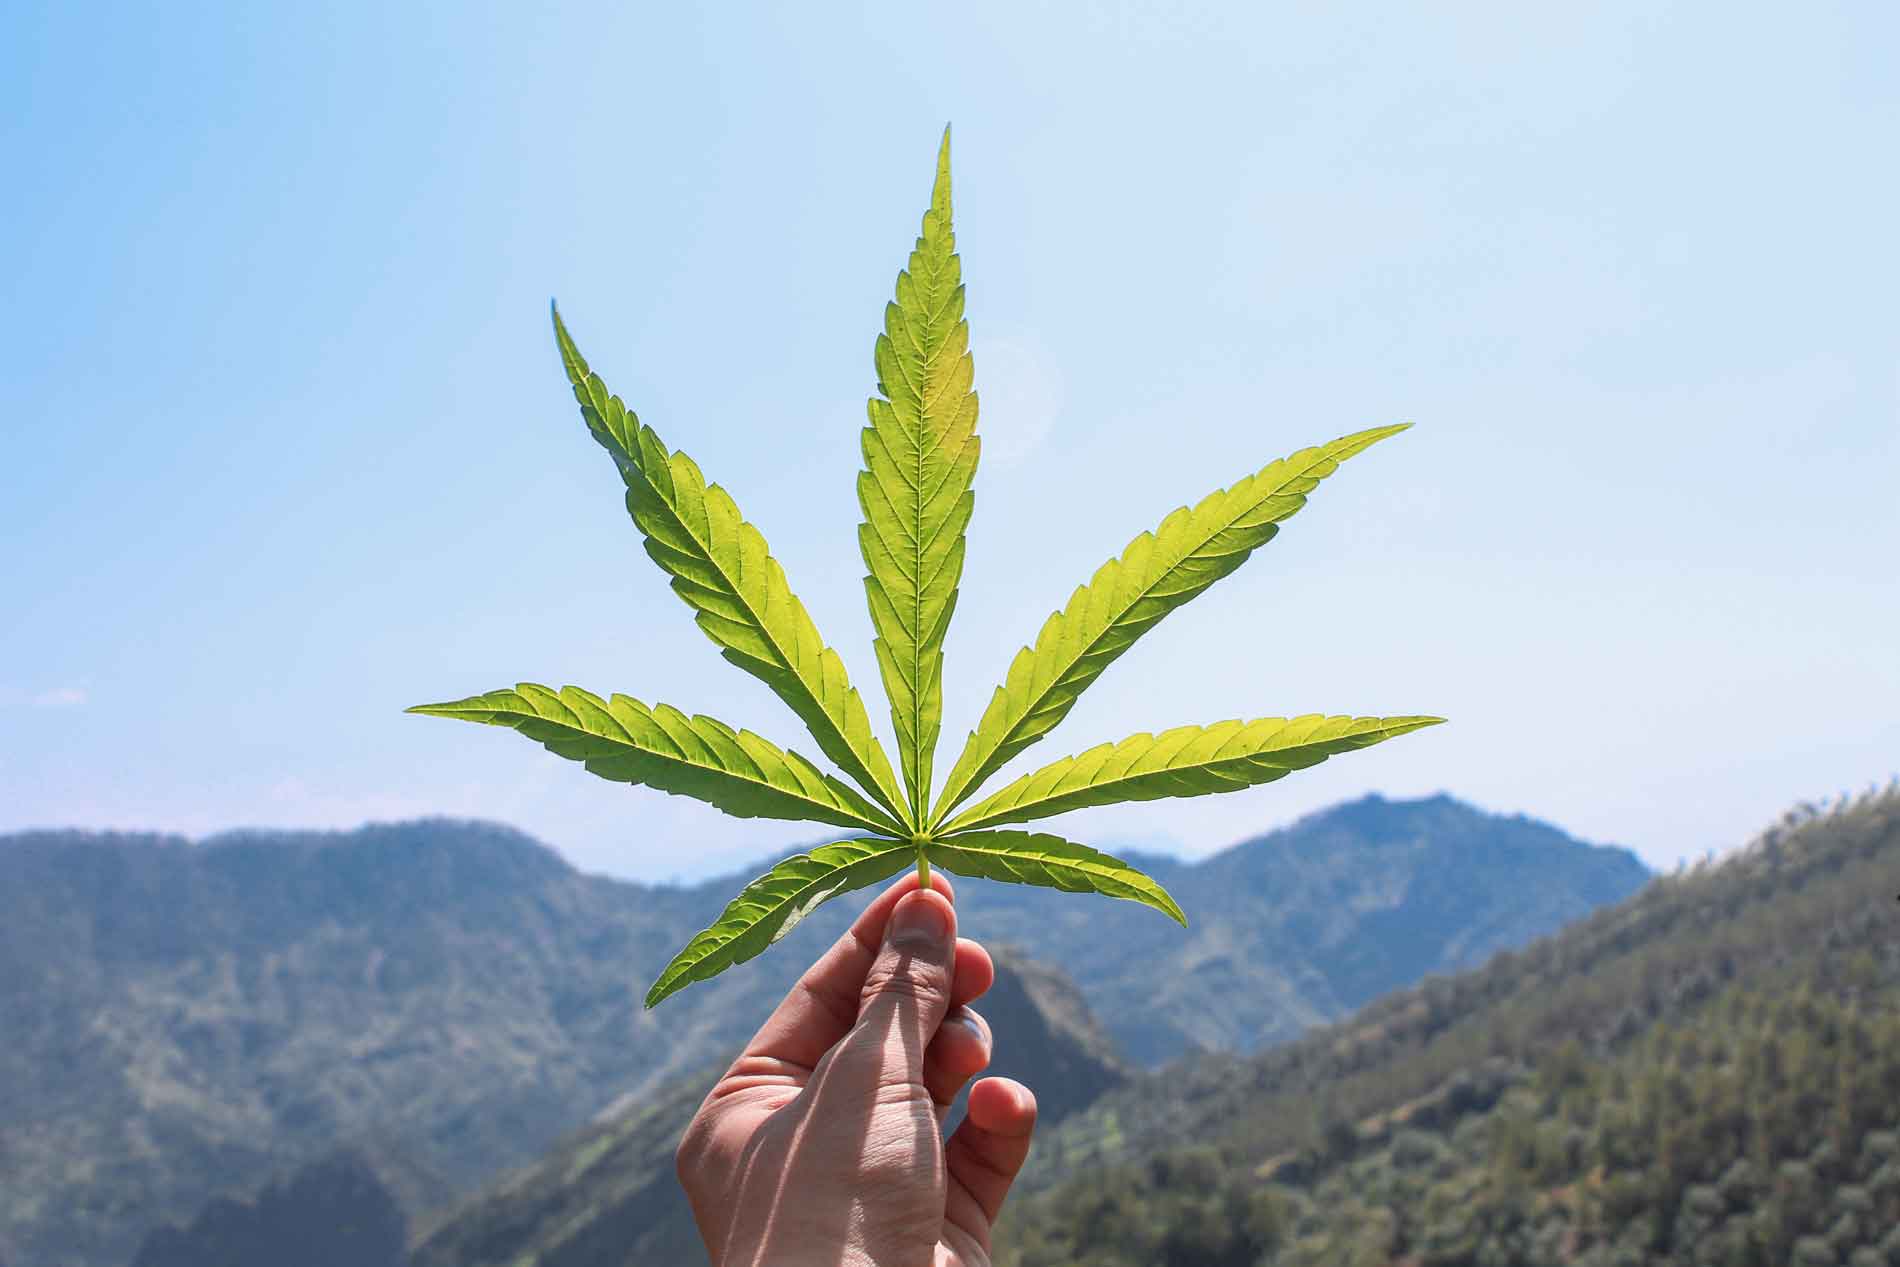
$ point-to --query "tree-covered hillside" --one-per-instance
(1708, 1073)
(189, 1021)
(332, 1213)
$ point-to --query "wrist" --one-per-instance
(804, 1256)
(771, 1254)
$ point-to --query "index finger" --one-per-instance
(823, 1006)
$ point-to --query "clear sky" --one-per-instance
(288, 448)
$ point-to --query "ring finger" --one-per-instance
(959, 1051)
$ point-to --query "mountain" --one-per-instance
(1705, 1073)
(331, 1212)
(606, 1196)
(186, 1020)
(1305, 924)
(1046, 1038)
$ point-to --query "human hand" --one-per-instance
(822, 1145)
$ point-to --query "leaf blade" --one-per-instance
(771, 905)
(1128, 595)
(723, 570)
(1184, 761)
(1021, 857)
(624, 740)
(920, 454)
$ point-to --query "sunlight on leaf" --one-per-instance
(920, 456)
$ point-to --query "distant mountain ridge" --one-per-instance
(332, 1213)
(186, 1019)
(1307, 922)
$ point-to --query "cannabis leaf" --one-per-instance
(920, 456)
(1128, 596)
(623, 740)
(1021, 857)
(1185, 761)
(721, 568)
(767, 908)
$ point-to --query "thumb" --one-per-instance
(907, 991)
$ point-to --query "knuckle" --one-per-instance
(977, 1159)
(907, 978)
(689, 1156)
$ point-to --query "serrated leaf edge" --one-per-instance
(980, 758)
(1041, 859)
(1250, 752)
(775, 902)
(832, 711)
(697, 744)
(904, 581)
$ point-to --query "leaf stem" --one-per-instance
(923, 869)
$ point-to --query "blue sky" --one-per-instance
(288, 447)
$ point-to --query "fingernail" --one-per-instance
(918, 923)
(968, 1018)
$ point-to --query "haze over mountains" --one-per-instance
(187, 1020)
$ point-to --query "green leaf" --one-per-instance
(767, 908)
(920, 454)
(722, 569)
(1185, 761)
(627, 742)
(1127, 596)
(1021, 857)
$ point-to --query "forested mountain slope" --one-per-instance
(336, 1212)
(1708, 1073)
(186, 1021)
